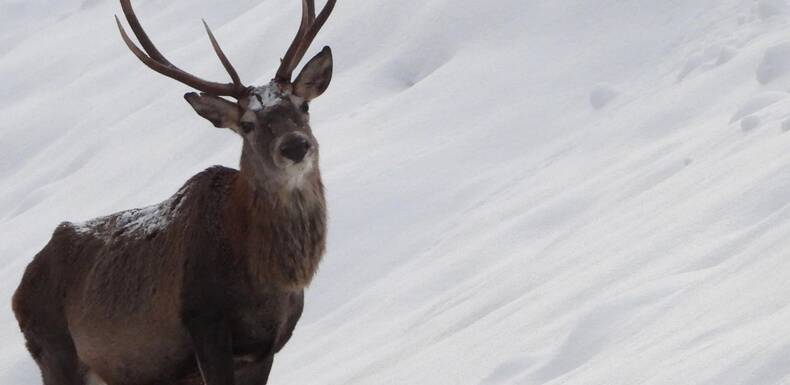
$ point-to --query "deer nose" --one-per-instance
(295, 149)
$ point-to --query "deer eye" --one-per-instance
(305, 107)
(246, 127)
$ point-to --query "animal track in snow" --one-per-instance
(601, 95)
(707, 59)
(757, 104)
(506, 372)
(750, 123)
(766, 9)
(775, 63)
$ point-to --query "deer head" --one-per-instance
(273, 119)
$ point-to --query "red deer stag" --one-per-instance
(208, 285)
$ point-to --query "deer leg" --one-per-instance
(211, 339)
(249, 374)
(56, 356)
(255, 374)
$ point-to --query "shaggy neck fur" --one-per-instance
(282, 225)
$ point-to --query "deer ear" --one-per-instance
(315, 77)
(220, 112)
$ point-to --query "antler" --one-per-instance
(157, 62)
(308, 29)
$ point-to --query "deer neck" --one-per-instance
(280, 230)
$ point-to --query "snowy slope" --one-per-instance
(521, 192)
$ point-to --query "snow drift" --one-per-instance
(521, 192)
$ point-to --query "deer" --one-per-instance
(208, 285)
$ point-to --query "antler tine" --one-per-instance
(285, 70)
(311, 11)
(224, 59)
(157, 62)
(317, 25)
(138, 30)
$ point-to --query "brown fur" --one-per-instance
(116, 297)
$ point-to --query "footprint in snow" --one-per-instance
(750, 123)
(774, 64)
(507, 371)
(766, 9)
(756, 104)
(601, 95)
(707, 60)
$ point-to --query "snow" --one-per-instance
(710, 58)
(775, 63)
(487, 226)
(136, 222)
(770, 8)
(750, 122)
(266, 96)
(757, 103)
(601, 95)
